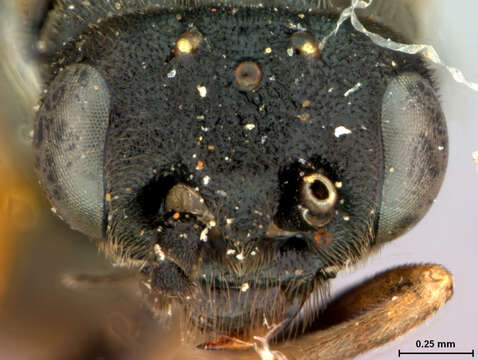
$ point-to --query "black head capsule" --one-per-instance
(122, 139)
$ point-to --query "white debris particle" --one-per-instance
(117, 5)
(147, 285)
(240, 256)
(297, 26)
(290, 51)
(394, 298)
(353, 89)
(263, 350)
(475, 156)
(346, 218)
(267, 50)
(391, 170)
(253, 253)
(229, 221)
(338, 184)
(221, 193)
(394, 63)
(53, 210)
(203, 236)
(71, 7)
(441, 148)
(202, 90)
(159, 252)
(244, 287)
(230, 252)
(172, 73)
(249, 126)
(341, 130)
(96, 87)
(206, 180)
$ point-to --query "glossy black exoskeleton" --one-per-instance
(231, 156)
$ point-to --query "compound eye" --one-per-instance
(415, 141)
(318, 197)
(69, 140)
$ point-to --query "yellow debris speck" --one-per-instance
(202, 90)
(475, 156)
(200, 165)
(184, 46)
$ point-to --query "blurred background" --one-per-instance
(42, 319)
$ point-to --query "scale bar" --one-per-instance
(472, 353)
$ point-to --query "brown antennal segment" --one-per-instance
(187, 43)
(305, 44)
(374, 313)
(248, 75)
